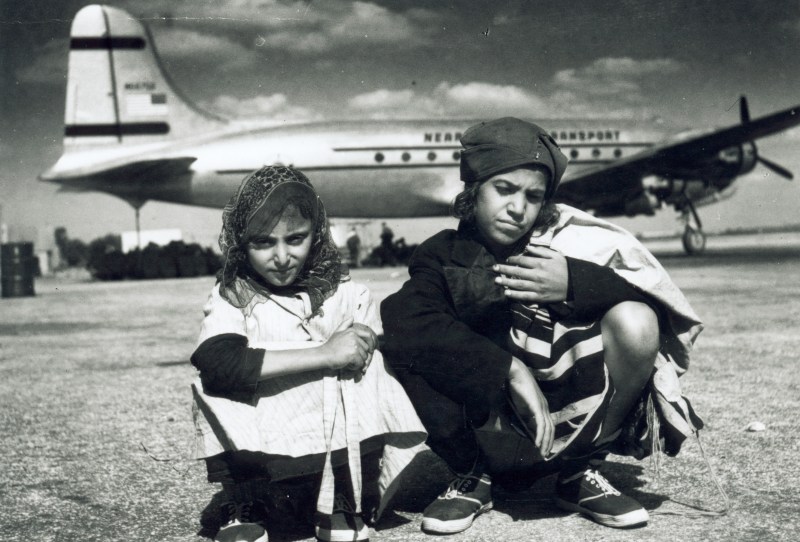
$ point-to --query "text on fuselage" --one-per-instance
(585, 135)
(439, 137)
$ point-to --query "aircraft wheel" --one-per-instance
(694, 241)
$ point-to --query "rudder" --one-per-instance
(117, 91)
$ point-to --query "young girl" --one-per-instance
(539, 318)
(291, 384)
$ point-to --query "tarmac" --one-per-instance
(95, 414)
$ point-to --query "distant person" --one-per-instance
(529, 338)
(388, 256)
(291, 389)
(354, 247)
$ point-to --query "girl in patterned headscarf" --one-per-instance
(291, 385)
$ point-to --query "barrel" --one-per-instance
(17, 269)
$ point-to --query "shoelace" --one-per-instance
(459, 486)
(240, 511)
(603, 484)
(342, 504)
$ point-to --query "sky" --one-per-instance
(684, 61)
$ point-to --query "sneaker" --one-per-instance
(454, 510)
(242, 523)
(344, 525)
(589, 493)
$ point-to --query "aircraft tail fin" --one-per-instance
(117, 91)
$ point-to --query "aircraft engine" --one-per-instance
(645, 203)
(729, 164)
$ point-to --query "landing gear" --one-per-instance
(694, 240)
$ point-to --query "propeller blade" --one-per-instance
(744, 110)
(780, 170)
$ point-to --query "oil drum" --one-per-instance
(17, 269)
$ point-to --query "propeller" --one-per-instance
(744, 114)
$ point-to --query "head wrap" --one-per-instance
(252, 213)
(508, 143)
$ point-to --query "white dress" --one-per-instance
(314, 412)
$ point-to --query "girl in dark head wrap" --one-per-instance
(291, 387)
(536, 319)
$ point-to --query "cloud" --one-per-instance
(301, 27)
(473, 99)
(614, 76)
(481, 98)
(387, 104)
(356, 23)
(179, 43)
(383, 99)
(608, 87)
(272, 107)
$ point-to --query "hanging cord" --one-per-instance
(699, 510)
(654, 424)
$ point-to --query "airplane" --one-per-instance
(131, 133)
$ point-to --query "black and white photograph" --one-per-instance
(341, 271)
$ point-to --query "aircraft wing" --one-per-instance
(594, 187)
(139, 170)
(128, 180)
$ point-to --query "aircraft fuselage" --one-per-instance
(361, 169)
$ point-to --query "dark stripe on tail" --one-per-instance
(131, 128)
(132, 42)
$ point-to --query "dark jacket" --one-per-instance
(450, 322)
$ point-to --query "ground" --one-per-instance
(96, 422)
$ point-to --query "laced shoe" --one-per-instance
(589, 493)
(343, 525)
(455, 509)
(242, 524)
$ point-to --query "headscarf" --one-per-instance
(507, 143)
(253, 212)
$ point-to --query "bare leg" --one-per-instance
(630, 342)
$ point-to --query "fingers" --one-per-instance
(525, 296)
(366, 333)
(544, 429)
(361, 353)
(548, 432)
(346, 324)
(531, 407)
(538, 251)
(532, 257)
(516, 269)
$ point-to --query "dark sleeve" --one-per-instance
(594, 289)
(228, 367)
(423, 333)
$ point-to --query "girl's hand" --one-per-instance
(531, 406)
(350, 348)
(538, 276)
